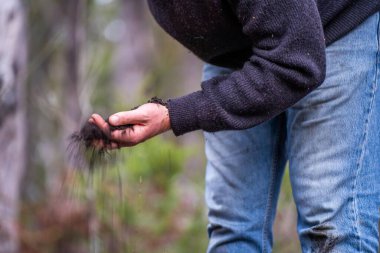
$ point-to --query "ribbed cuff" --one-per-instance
(183, 112)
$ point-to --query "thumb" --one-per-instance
(127, 117)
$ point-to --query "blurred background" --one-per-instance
(62, 60)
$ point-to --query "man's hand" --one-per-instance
(147, 121)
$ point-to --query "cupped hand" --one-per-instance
(145, 122)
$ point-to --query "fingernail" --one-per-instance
(114, 119)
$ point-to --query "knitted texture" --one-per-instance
(277, 48)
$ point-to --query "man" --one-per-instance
(285, 80)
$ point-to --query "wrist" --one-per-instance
(165, 122)
(166, 119)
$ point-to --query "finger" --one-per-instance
(127, 137)
(100, 122)
(122, 135)
(128, 117)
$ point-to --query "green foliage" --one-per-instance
(142, 204)
(157, 161)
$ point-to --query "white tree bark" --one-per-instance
(12, 118)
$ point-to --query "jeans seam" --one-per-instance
(374, 86)
(269, 206)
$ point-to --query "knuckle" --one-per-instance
(146, 116)
(115, 135)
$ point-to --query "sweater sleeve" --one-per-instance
(287, 62)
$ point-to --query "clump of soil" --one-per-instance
(82, 151)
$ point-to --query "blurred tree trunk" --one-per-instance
(134, 49)
(74, 42)
(12, 118)
(56, 42)
(42, 154)
(70, 113)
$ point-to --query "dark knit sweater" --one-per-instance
(277, 48)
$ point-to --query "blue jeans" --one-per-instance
(332, 141)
